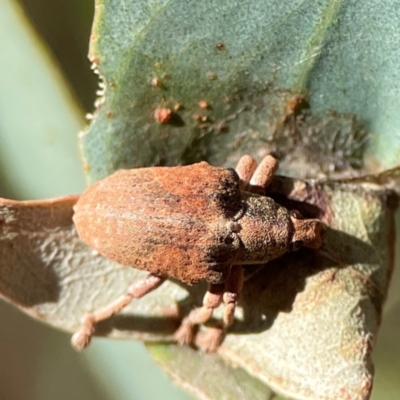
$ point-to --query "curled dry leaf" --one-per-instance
(307, 321)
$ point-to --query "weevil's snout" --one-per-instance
(307, 233)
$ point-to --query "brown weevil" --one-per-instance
(192, 223)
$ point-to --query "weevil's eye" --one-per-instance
(229, 240)
(296, 245)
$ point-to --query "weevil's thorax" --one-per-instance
(264, 230)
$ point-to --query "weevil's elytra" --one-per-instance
(175, 215)
(193, 223)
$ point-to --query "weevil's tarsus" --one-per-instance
(212, 300)
(212, 339)
(81, 339)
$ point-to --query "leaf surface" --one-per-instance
(248, 60)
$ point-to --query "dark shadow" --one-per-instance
(176, 120)
(153, 325)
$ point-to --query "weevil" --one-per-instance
(193, 223)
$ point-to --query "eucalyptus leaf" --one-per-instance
(247, 60)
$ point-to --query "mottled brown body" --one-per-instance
(193, 223)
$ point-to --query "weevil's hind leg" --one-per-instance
(263, 175)
(82, 338)
(232, 290)
(245, 169)
(212, 299)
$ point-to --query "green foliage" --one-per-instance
(341, 55)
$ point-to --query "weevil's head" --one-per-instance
(306, 232)
(267, 230)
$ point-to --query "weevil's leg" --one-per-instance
(263, 175)
(233, 288)
(212, 299)
(82, 338)
(245, 169)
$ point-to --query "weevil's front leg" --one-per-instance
(245, 169)
(232, 290)
(255, 179)
(212, 299)
(82, 338)
(263, 175)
